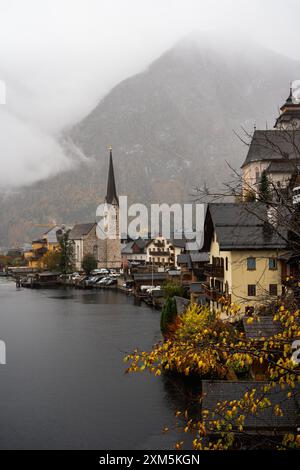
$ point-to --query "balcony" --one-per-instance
(159, 253)
(213, 270)
(159, 243)
(214, 294)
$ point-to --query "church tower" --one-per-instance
(109, 248)
(289, 118)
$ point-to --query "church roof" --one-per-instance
(273, 144)
(111, 193)
(79, 230)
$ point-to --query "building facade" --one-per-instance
(246, 266)
(275, 151)
(164, 252)
(85, 242)
(109, 242)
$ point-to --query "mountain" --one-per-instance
(171, 128)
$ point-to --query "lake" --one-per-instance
(64, 385)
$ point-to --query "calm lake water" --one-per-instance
(64, 384)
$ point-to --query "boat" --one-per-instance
(41, 280)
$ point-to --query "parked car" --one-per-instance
(92, 280)
(102, 281)
(80, 282)
(111, 282)
(151, 289)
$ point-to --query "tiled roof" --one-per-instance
(201, 257)
(273, 145)
(261, 327)
(181, 304)
(79, 230)
(219, 391)
(196, 287)
(184, 258)
(243, 226)
(127, 249)
(149, 276)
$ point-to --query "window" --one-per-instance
(251, 290)
(273, 289)
(272, 263)
(257, 176)
(251, 264)
(95, 252)
(226, 263)
(249, 310)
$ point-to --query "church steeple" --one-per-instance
(289, 118)
(289, 100)
(111, 193)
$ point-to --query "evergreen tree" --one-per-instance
(89, 263)
(66, 253)
(264, 188)
(168, 314)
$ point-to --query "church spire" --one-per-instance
(111, 193)
(289, 100)
(290, 97)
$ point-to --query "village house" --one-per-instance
(134, 253)
(48, 242)
(245, 256)
(164, 252)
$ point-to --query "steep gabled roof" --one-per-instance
(127, 249)
(241, 227)
(111, 193)
(274, 144)
(79, 230)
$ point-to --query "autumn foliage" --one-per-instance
(204, 345)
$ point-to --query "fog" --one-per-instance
(59, 57)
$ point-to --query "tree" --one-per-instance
(172, 289)
(169, 311)
(168, 315)
(66, 264)
(89, 263)
(206, 346)
(264, 188)
(52, 260)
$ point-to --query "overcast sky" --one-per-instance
(59, 57)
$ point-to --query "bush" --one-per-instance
(171, 289)
(89, 263)
(168, 314)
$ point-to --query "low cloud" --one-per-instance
(27, 153)
(60, 57)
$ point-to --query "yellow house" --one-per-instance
(49, 242)
(245, 256)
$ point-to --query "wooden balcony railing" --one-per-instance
(212, 270)
(158, 253)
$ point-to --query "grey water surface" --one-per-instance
(64, 384)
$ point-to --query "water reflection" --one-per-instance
(64, 384)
